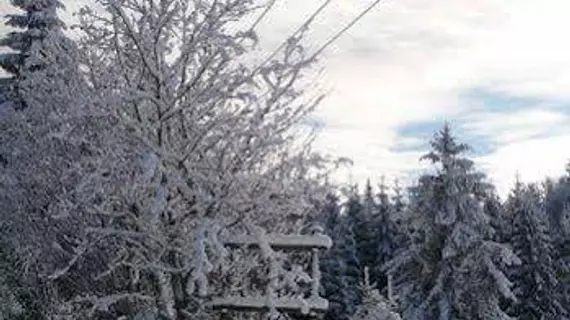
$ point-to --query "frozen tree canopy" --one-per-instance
(374, 306)
(536, 284)
(452, 268)
(37, 28)
(154, 169)
(145, 140)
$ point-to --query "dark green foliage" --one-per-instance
(450, 268)
(536, 285)
(557, 201)
(500, 219)
(339, 266)
(22, 295)
(39, 19)
(35, 27)
(358, 217)
(386, 234)
(366, 226)
(557, 207)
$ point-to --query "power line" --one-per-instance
(301, 27)
(346, 28)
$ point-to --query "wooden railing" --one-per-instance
(306, 303)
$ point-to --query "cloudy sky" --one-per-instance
(498, 70)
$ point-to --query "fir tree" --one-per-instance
(368, 226)
(501, 220)
(398, 197)
(398, 217)
(557, 200)
(451, 269)
(374, 306)
(557, 206)
(536, 285)
(361, 214)
(339, 265)
(385, 235)
(37, 28)
(358, 220)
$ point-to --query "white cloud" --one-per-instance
(410, 60)
(516, 125)
(532, 159)
(530, 142)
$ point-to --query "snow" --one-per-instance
(283, 304)
(148, 160)
(282, 241)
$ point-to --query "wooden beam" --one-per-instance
(284, 304)
(280, 241)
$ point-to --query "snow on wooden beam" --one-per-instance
(284, 304)
(280, 241)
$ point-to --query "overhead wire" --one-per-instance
(299, 29)
(308, 22)
(346, 28)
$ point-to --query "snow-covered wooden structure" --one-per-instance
(275, 299)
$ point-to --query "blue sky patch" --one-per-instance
(484, 99)
(481, 99)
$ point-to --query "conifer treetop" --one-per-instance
(35, 23)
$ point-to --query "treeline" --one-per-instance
(451, 247)
(126, 153)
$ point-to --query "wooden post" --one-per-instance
(390, 297)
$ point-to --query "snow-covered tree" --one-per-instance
(358, 210)
(536, 284)
(22, 295)
(399, 207)
(44, 148)
(367, 223)
(160, 136)
(398, 198)
(557, 207)
(451, 268)
(385, 233)
(339, 265)
(38, 26)
(501, 220)
(10, 306)
(374, 306)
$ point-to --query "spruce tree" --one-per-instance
(37, 28)
(536, 285)
(501, 220)
(358, 219)
(398, 197)
(339, 265)
(451, 269)
(398, 217)
(374, 306)
(557, 206)
(368, 229)
(385, 235)
(557, 200)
